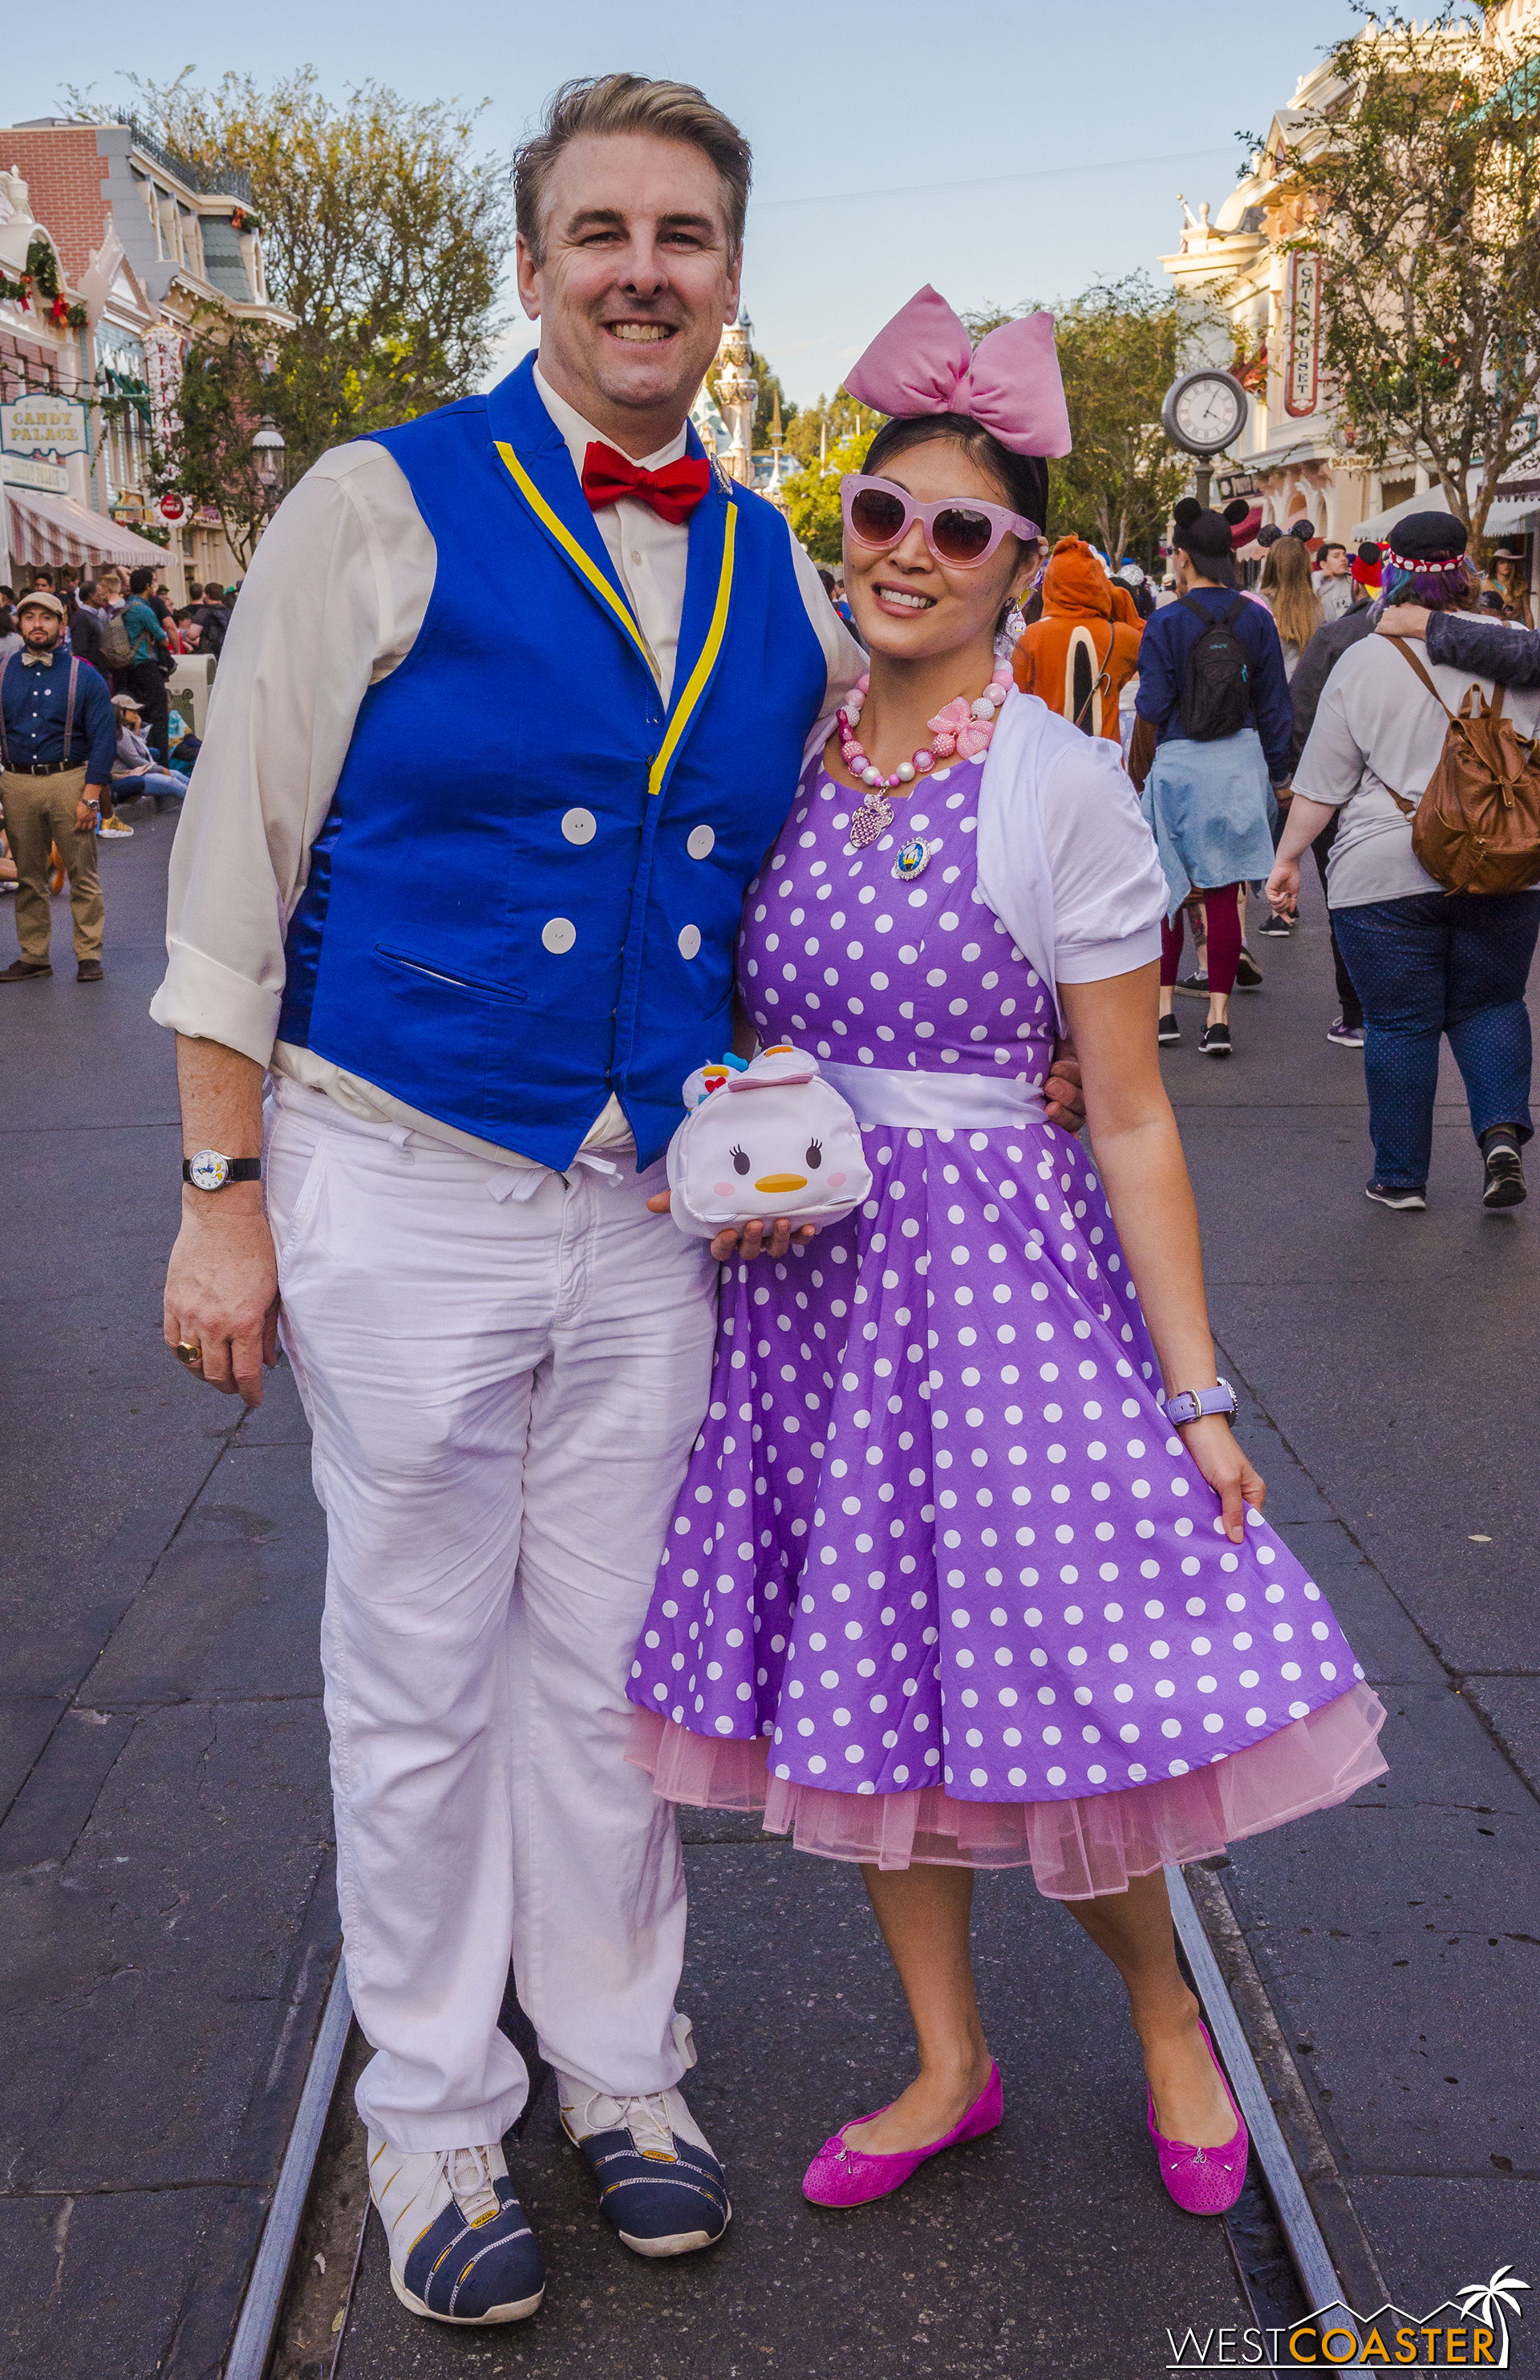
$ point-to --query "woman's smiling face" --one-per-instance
(907, 605)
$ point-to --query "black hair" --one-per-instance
(1021, 479)
(139, 580)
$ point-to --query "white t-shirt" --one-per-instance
(1378, 727)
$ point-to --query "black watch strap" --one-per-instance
(229, 1169)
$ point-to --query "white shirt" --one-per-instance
(335, 598)
(1377, 727)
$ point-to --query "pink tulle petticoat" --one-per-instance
(1076, 1849)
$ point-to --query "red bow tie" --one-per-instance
(674, 492)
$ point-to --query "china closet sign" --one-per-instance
(1303, 362)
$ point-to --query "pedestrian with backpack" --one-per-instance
(1434, 877)
(1210, 741)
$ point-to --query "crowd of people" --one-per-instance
(1256, 728)
(109, 641)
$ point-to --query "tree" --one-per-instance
(1417, 184)
(1118, 349)
(384, 235)
(813, 495)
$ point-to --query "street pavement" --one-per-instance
(168, 1924)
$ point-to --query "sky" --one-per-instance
(1005, 155)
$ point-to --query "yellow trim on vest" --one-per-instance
(702, 673)
(573, 551)
(708, 661)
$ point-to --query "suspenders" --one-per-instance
(69, 707)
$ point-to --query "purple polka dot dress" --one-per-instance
(943, 1582)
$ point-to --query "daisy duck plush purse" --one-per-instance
(764, 1139)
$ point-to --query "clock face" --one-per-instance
(208, 1169)
(1205, 412)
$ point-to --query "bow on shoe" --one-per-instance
(923, 362)
(673, 493)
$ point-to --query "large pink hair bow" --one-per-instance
(923, 363)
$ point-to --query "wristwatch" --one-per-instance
(209, 1171)
(1192, 1404)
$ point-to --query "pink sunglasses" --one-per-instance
(878, 513)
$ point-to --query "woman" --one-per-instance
(1205, 794)
(135, 770)
(936, 1519)
(1507, 582)
(1286, 589)
(1424, 962)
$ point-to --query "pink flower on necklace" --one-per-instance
(964, 734)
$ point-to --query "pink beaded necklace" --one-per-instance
(960, 728)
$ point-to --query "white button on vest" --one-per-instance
(579, 826)
(689, 940)
(558, 934)
(700, 841)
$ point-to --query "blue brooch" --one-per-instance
(913, 860)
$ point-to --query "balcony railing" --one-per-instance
(224, 181)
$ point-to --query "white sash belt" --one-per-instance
(901, 1096)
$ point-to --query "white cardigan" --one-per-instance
(1065, 860)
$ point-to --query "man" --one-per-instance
(57, 738)
(1320, 657)
(211, 617)
(1334, 582)
(511, 839)
(147, 639)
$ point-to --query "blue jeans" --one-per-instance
(162, 782)
(1432, 964)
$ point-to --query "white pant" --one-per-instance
(503, 1392)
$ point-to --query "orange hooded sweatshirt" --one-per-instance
(1080, 655)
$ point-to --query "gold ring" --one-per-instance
(189, 1352)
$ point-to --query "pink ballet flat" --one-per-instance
(1202, 2182)
(846, 2177)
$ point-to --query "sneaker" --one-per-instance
(460, 2249)
(660, 2182)
(1214, 1041)
(1505, 1185)
(1345, 1035)
(1195, 986)
(1274, 925)
(114, 830)
(1401, 1201)
(1248, 975)
(1169, 1032)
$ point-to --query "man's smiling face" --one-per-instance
(634, 283)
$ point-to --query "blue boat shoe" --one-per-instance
(460, 2249)
(659, 2184)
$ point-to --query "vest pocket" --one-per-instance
(480, 984)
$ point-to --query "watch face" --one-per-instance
(1209, 412)
(208, 1169)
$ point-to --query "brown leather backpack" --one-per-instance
(1477, 826)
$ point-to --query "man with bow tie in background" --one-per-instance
(58, 739)
(467, 878)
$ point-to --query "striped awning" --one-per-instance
(46, 530)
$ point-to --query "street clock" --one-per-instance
(1204, 412)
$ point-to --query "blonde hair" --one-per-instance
(1285, 582)
(628, 103)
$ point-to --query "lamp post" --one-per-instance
(268, 450)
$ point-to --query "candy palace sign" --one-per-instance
(1468, 2332)
(44, 427)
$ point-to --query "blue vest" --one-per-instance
(528, 889)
